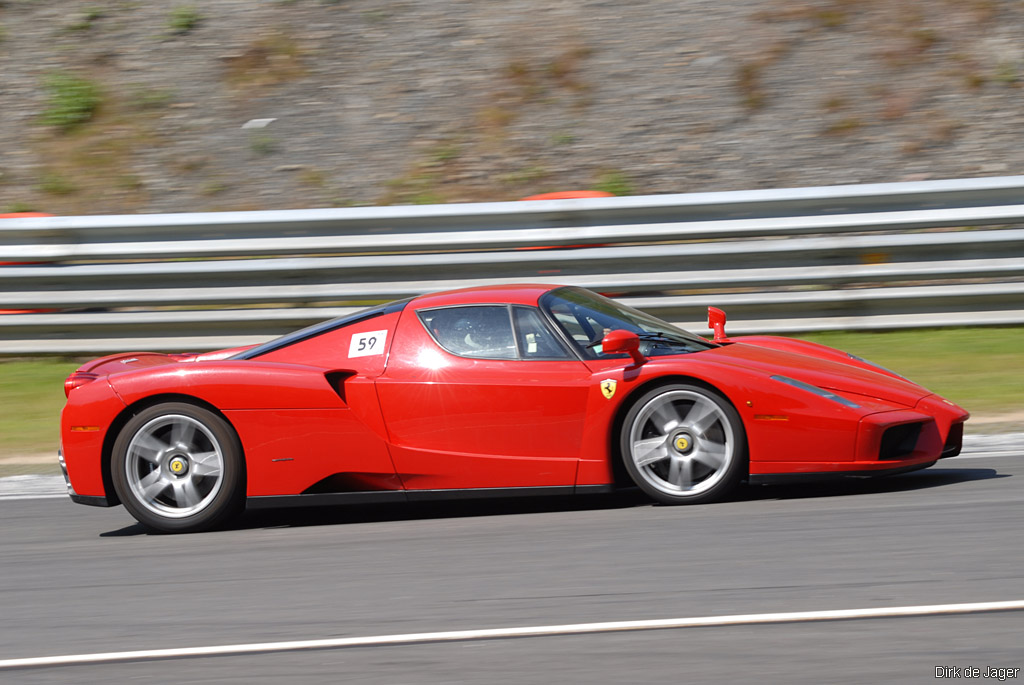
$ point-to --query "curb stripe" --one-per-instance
(531, 631)
(58, 490)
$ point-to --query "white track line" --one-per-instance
(12, 498)
(531, 631)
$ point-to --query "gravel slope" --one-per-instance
(428, 101)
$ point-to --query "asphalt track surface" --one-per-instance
(80, 580)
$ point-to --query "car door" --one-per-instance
(482, 396)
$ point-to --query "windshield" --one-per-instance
(587, 317)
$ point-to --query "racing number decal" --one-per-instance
(367, 344)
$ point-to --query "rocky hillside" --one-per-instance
(110, 106)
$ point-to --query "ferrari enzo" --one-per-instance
(495, 391)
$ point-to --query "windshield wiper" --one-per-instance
(652, 337)
(661, 337)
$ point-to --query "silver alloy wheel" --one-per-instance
(682, 443)
(174, 466)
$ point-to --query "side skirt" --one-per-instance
(383, 496)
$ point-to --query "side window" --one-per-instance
(474, 331)
(536, 340)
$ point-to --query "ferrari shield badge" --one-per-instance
(608, 388)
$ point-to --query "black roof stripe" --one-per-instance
(321, 328)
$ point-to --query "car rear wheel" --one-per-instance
(684, 444)
(178, 468)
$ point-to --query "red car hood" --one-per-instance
(824, 373)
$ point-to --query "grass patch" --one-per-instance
(83, 167)
(55, 184)
(50, 468)
(843, 126)
(183, 19)
(152, 98)
(263, 144)
(87, 20)
(269, 60)
(750, 74)
(981, 369)
(73, 100)
(32, 393)
(614, 182)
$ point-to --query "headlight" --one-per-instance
(862, 360)
(820, 392)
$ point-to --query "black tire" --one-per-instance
(178, 468)
(684, 444)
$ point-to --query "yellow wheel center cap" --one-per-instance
(682, 443)
(178, 466)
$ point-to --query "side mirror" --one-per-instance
(716, 322)
(618, 341)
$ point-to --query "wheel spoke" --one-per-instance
(649, 451)
(673, 470)
(182, 433)
(686, 474)
(680, 472)
(205, 464)
(666, 417)
(701, 417)
(185, 493)
(152, 485)
(149, 448)
(711, 454)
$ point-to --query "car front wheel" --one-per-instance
(684, 444)
(178, 468)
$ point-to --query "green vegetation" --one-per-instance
(979, 368)
(418, 187)
(87, 165)
(32, 394)
(314, 178)
(152, 98)
(74, 100)
(88, 18)
(269, 60)
(183, 19)
(445, 152)
(49, 467)
(614, 182)
(1007, 73)
(523, 176)
(262, 144)
(844, 126)
(53, 183)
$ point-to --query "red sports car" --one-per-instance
(483, 392)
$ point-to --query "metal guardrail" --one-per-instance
(931, 253)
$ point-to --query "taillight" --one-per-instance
(77, 380)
